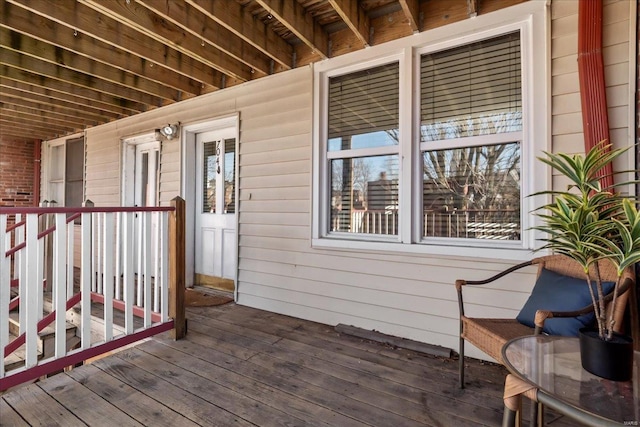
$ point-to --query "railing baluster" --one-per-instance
(140, 256)
(5, 288)
(107, 279)
(118, 242)
(164, 268)
(156, 219)
(147, 269)
(34, 280)
(128, 265)
(70, 257)
(87, 279)
(58, 285)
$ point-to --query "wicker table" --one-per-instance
(547, 369)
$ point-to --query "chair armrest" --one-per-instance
(461, 282)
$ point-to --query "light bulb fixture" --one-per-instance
(169, 131)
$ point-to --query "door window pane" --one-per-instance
(210, 165)
(229, 175)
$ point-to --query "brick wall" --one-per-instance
(16, 172)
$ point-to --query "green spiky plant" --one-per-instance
(588, 223)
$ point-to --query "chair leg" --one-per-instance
(461, 363)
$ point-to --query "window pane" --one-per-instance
(472, 90)
(363, 108)
(74, 172)
(364, 195)
(472, 192)
(229, 176)
(209, 179)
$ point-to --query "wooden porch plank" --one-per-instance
(9, 416)
(162, 390)
(138, 406)
(392, 390)
(83, 403)
(248, 409)
(347, 406)
(257, 387)
(38, 408)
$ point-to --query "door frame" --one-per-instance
(188, 186)
(127, 195)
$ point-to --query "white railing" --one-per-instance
(128, 260)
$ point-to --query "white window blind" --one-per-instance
(362, 103)
(472, 90)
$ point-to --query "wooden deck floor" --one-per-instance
(243, 367)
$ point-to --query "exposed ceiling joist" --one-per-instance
(60, 36)
(233, 16)
(137, 17)
(355, 18)
(211, 33)
(293, 16)
(411, 9)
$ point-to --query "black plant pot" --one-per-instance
(611, 359)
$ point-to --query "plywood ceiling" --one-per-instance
(67, 65)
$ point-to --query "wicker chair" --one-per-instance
(489, 335)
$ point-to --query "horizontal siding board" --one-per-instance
(562, 9)
(289, 193)
(274, 218)
(291, 206)
(291, 128)
(275, 181)
(566, 123)
(279, 231)
(256, 259)
(565, 83)
(564, 46)
(296, 167)
(274, 144)
(280, 156)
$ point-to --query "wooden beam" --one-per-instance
(144, 21)
(37, 120)
(106, 100)
(98, 106)
(26, 45)
(411, 9)
(293, 16)
(36, 66)
(26, 98)
(26, 128)
(472, 8)
(232, 15)
(18, 112)
(63, 37)
(177, 268)
(355, 18)
(75, 114)
(205, 29)
(82, 19)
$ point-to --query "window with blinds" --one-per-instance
(210, 170)
(471, 90)
(364, 108)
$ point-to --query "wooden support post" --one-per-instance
(177, 268)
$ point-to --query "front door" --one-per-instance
(215, 257)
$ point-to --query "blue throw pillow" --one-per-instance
(555, 292)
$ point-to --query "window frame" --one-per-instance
(531, 19)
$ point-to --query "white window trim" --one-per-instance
(532, 18)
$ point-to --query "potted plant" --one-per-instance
(589, 223)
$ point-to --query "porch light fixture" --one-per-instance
(169, 131)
